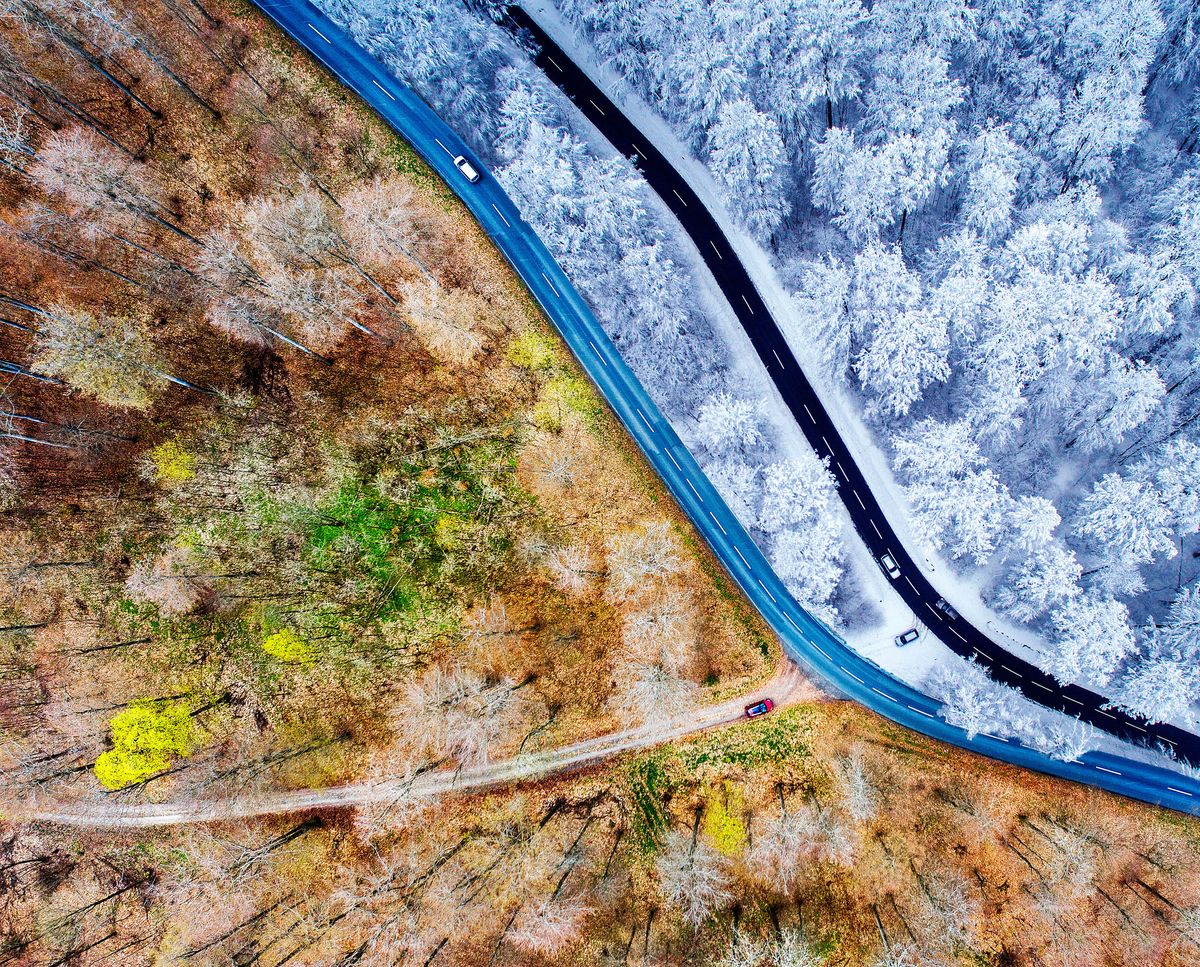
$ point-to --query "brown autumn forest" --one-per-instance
(300, 490)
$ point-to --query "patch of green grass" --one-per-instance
(649, 785)
(772, 740)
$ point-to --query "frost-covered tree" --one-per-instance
(1032, 522)
(795, 492)
(961, 503)
(747, 157)
(822, 316)
(1126, 522)
(1091, 637)
(727, 423)
(1045, 579)
(990, 171)
(1162, 685)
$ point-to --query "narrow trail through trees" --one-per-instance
(786, 687)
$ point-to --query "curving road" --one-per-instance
(804, 638)
(812, 418)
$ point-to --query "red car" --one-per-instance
(759, 708)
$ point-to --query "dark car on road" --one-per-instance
(759, 708)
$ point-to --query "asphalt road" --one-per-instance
(806, 639)
(810, 414)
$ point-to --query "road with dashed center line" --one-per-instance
(810, 413)
(812, 644)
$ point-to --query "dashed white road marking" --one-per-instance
(1113, 771)
(1182, 792)
(680, 197)
(859, 499)
(769, 594)
(443, 147)
(1075, 700)
(981, 654)
(851, 674)
(384, 89)
(597, 107)
(821, 650)
(1165, 739)
(505, 220)
(637, 150)
(551, 284)
(777, 359)
(718, 523)
(919, 712)
(797, 627)
(1102, 712)
(842, 471)
(1138, 727)
(827, 446)
(748, 306)
(910, 584)
(593, 345)
(877, 534)
(961, 638)
(647, 422)
(554, 62)
(1045, 688)
(811, 419)
(321, 35)
(739, 554)
(884, 694)
(674, 461)
(717, 250)
(1012, 672)
(694, 490)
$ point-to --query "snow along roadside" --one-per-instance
(844, 412)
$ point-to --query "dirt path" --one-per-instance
(786, 687)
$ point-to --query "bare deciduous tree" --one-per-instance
(662, 632)
(109, 358)
(452, 323)
(694, 877)
(550, 925)
(572, 568)
(168, 581)
(382, 218)
(641, 557)
(862, 798)
(463, 715)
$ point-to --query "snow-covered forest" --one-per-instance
(990, 216)
(1005, 273)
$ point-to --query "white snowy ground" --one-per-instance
(874, 640)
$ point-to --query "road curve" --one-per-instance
(805, 639)
(811, 416)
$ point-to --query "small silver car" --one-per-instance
(907, 637)
(468, 169)
(889, 565)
